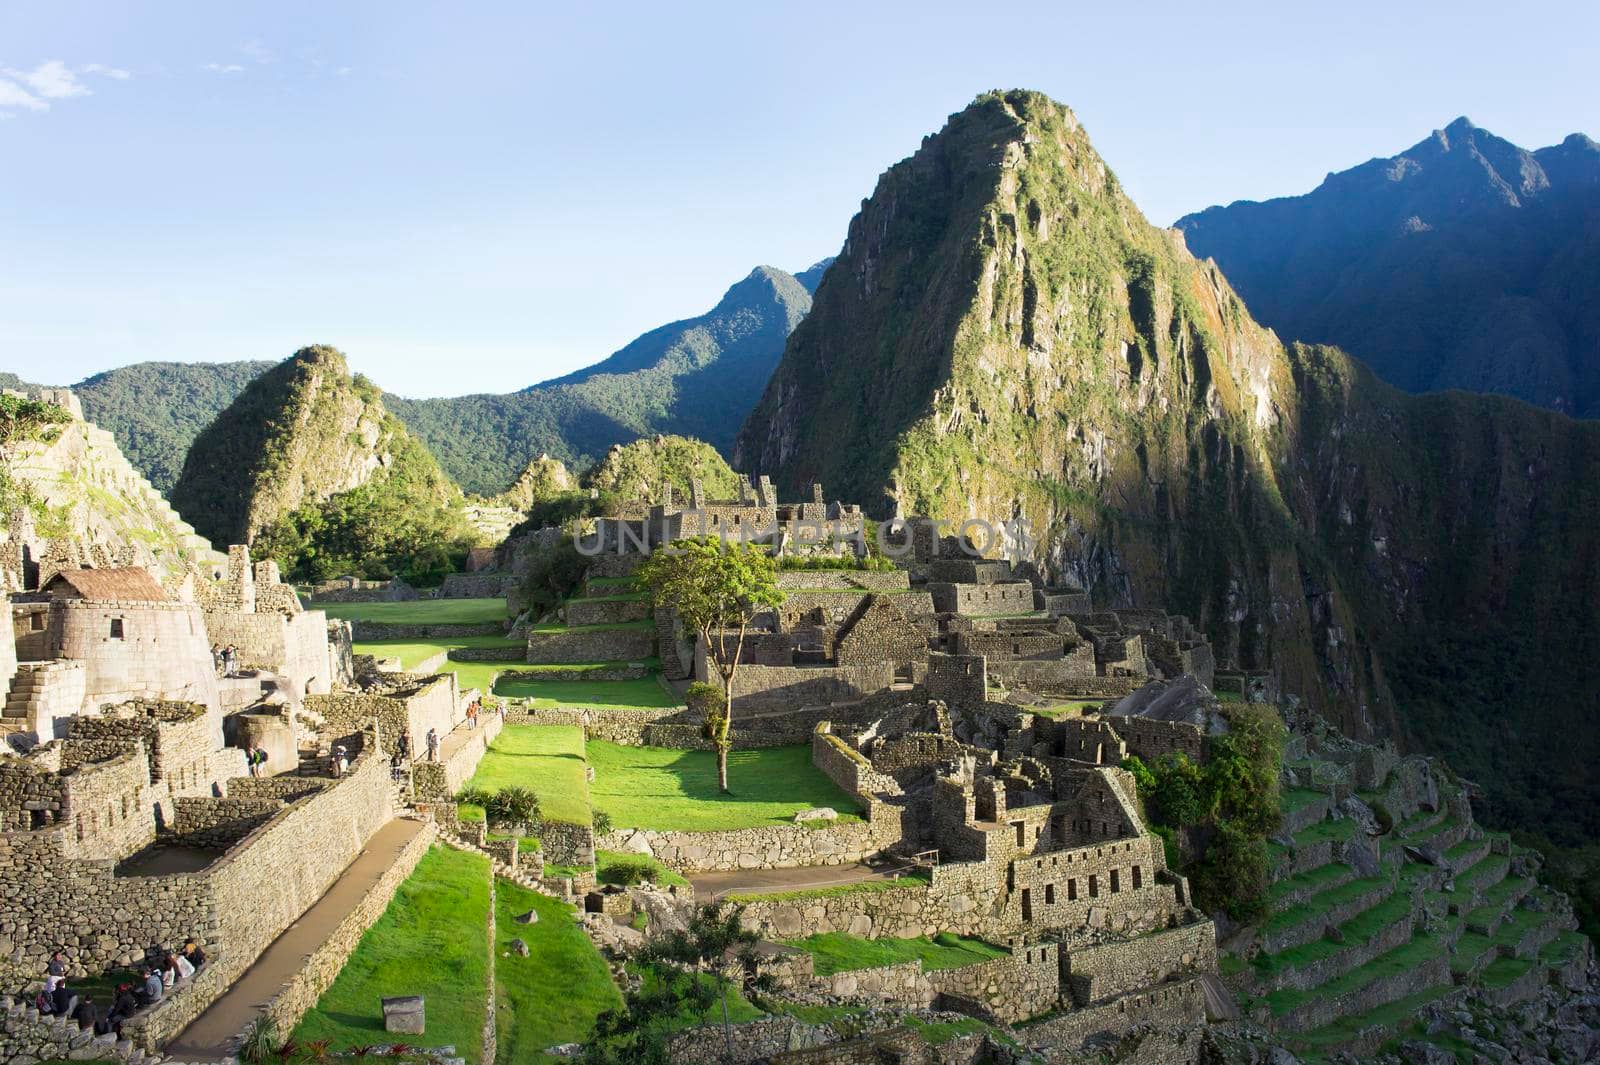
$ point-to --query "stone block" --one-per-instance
(404, 1014)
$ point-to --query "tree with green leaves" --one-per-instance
(717, 588)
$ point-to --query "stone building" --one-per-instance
(97, 637)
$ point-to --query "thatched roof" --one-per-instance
(127, 584)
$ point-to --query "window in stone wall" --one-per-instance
(116, 628)
(1138, 877)
(36, 621)
(1094, 886)
(1072, 889)
(1049, 894)
(1116, 886)
(80, 828)
(1027, 905)
(1021, 830)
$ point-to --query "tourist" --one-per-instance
(250, 759)
(192, 951)
(433, 745)
(87, 1016)
(62, 1001)
(403, 748)
(123, 1005)
(472, 715)
(261, 762)
(44, 1001)
(216, 658)
(230, 660)
(153, 988)
(397, 767)
(340, 763)
(179, 965)
(57, 967)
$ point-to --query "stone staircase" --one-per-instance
(30, 686)
(200, 549)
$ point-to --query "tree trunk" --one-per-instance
(724, 740)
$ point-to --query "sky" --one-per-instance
(476, 197)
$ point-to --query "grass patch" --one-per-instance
(1298, 799)
(420, 611)
(554, 994)
(645, 693)
(1320, 903)
(667, 789)
(1312, 879)
(413, 653)
(938, 1033)
(837, 952)
(1067, 708)
(1357, 931)
(610, 866)
(1420, 949)
(1387, 1015)
(1342, 830)
(548, 759)
(431, 941)
(1502, 972)
(916, 879)
(1562, 948)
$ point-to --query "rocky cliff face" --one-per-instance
(1463, 262)
(1005, 335)
(298, 434)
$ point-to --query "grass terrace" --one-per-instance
(667, 789)
(554, 995)
(431, 941)
(837, 952)
(547, 758)
(646, 693)
(420, 611)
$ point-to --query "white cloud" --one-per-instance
(223, 68)
(115, 73)
(51, 80)
(342, 71)
(14, 95)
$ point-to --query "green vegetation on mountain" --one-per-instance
(696, 377)
(643, 469)
(309, 467)
(156, 409)
(542, 478)
(1005, 334)
(1463, 262)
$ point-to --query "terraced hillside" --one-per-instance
(1389, 898)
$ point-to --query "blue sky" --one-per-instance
(476, 197)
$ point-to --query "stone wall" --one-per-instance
(440, 780)
(607, 611)
(432, 703)
(564, 843)
(474, 585)
(1151, 740)
(106, 806)
(570, 646)
(8, 647)
(351, 590)
(267, 881)
(897, 580)
(982, 600)
(322, 966)
(162, 651)
(292, 647)
(99, 920)
(1009, 989)
(758, 687)
(1111, 970)
(217, 824)
(764, 847)
(1180, 1004)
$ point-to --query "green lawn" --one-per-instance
(643, 694)
(837, 952)
(468, 674)
(420, 611)
(663, 788)
(554, 994)
(431, 941)
(546, 758)
(607, 865)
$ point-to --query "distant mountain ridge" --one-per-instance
(156, 409)
(696, 377)
(1463, 262)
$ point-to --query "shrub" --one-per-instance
(628, 871)
(514, 805)
(602, 823)
(709, 703)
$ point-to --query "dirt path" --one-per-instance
(806, 878)
(211, 1035)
